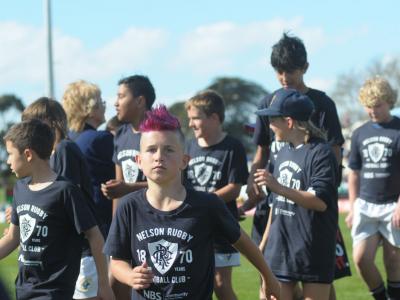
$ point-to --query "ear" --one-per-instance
(139, 161)
(215, 117)
(28, 153)
(306, 67)
(290, 122)
(142, 101)
(185, 161)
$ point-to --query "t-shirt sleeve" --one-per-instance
(238, 172)
(67, 165)
(225, 225)
(77, 209)
(118, 243)
(332, 124)
(261, 136)
(355, 160)
(324, 174)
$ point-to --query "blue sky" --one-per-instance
(183, 45)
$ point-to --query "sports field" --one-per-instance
(245, 278)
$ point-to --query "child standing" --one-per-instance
(49, 214)
(217, 165)
(302, 179)
(374, 189)
(161, 239)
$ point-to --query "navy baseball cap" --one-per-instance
(289, 103)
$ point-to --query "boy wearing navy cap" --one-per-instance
(302, 179)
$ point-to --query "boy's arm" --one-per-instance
(353, 186)
(253, 254)
(116, 188)
(96, 243)
(10, 241)
(260, 161)
(303, 198)
(264, 239)
(229, 192)
(140, 277)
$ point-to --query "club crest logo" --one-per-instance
(163, 255)
(130, 170)
(27, 225)
(375, 151)
(203, 173)
(285, 176)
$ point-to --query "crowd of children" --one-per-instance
(138, 212)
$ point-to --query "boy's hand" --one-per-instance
(141, 277)
(113, 188)
(263, 177)
(349, 219)
(272, 289)
(105, 292)
(396, 216)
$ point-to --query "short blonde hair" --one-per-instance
(208, 102)
(377, 89)
(79, 100)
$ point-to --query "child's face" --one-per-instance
(126, 105)
(379, 113)
(292, 79)
(161, 156)
(279, 126)
(199, 122)
(16, 160)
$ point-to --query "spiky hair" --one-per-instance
(159, 119)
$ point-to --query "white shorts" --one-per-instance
(227, 260)
(87, 283)
(371, 218)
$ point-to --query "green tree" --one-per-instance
(10, 108)
(347, 86)
(178, 110)
(242, 98)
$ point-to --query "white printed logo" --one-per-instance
(163, 254)
(284, 177)
(27, 225)
(130, 171)
(203, 173)
(376, 151)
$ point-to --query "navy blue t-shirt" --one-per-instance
(211, 168)
(375, 152)
(69, 162)
(301, 242)
(97, 146)
(325, 117)
(177, 245)
(50, 222)
(126, 147)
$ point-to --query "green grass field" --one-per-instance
(245, 278)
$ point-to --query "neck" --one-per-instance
(136, 123)
(213, 138)
(302, 88)
(166, 197)
(297, 138)
(42, 173)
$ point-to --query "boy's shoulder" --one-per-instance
(123, 130)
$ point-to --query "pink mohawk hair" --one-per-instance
(159, 119)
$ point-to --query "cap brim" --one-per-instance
(268, 112)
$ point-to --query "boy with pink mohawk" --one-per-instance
(161, 239)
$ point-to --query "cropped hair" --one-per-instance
(32, 134)
(377, 89)
(288, 54)
(209, 102)
(159, 119)
(50, 111)
(80, 99)
(310, 130)
(140, 85)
